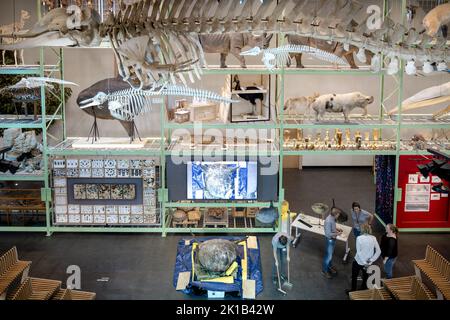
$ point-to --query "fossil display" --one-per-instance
(157, 41)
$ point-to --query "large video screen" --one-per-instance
(224, 180)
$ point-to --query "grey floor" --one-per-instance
(140, 266)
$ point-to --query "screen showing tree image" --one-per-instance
(225, 180)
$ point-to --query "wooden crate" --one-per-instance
(210, 221)
(203, 112)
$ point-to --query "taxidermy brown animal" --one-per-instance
(232, 43)
(335, 48)
(344, 103)
(296, 104)
(14, 27)
(436, 18)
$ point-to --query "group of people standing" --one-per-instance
(367, 248)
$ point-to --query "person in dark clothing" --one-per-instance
(389, 249)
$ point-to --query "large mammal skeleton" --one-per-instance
(157, 40)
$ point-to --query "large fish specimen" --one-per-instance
(158, 40)
(27, 89)
(36, 82)
(216, 255)
(427, 97)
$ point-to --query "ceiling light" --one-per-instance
(376, 63)
(427, 67)
(442, 66)
(393, 66)
(361, 55)
(410, 68)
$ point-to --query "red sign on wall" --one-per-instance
(420, 206)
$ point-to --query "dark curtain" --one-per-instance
(385, 179)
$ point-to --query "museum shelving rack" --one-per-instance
(160, 146)
(42, 122)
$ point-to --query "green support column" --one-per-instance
(44, 134)
(397, 195)
(281, 136)
(162, 166)
(63, 100)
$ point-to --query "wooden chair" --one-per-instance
(437, 269)
(69, 294)
(370, 294)
(11, 268)
(36, 289)
(408, 288)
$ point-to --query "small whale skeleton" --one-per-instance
(280, 56)
(127, 104)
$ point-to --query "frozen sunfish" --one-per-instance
(217, 255)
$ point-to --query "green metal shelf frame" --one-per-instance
(23, 229)
(44, 123)
(219, 204)
(339, 126)
(23, 177)
(339, 152)
(104, 229)
(105, 153)
(279, 125)
(221, 126)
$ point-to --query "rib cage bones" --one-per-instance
(172, 50)
(127, 104)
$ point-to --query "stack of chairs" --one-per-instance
(370, 294)
(434, 266)
(16, 285)
(437, 269)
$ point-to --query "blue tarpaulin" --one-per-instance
(184, 263)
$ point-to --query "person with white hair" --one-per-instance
(367, 252)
